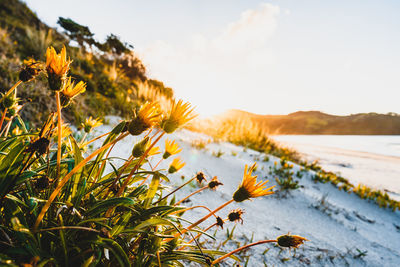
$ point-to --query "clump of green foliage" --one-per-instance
(284, 175)
(363, 191)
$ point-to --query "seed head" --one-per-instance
(214, 183)
(40, 146)
(220, 222)
(200, 177)
(291, 241)
(236, 216)
(30, 70)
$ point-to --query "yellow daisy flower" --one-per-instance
(176, 165)
(71, 90)
(171, 148)
(147, 116)
(57, 66)
(180, 114)
(91, 123)
(155, 150)
(250, 188)
(65, 130)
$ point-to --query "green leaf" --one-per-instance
(103, 206)
(152, 190)
(115, 249)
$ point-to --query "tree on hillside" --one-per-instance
(114, 45)
(77, 32)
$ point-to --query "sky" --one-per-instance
(266, 57)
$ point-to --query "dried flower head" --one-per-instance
(176, 165)
(40, 146)
(291, 241)
(200, 177)
(236, 215)
(214, 183)
(147, 116)
(43, 182)
(250, 188)
(171, 148)
(90, 123)
(57, 67)
(71, 90)
(180, 114)
(220, 222)
(30, 70)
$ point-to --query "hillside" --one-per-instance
(116, 78)
(315, 122)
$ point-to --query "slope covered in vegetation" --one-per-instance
(116, 79)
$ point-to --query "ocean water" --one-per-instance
(371, 160)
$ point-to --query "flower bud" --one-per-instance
(139, 148)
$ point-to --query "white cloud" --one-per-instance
(222, 72)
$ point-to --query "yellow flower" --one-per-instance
(176, 165)
(291, 241)
(147, 116)
(153, 151)
(180, 114)
(71, 90)
(57, 66)
(91, 123)
(171, 148)
(57, 63)
(65, 130)
(250, 188)
(16, 131)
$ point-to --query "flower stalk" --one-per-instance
(242, 248)
(193, 193)
(59, 137)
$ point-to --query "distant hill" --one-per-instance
(315, 122)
